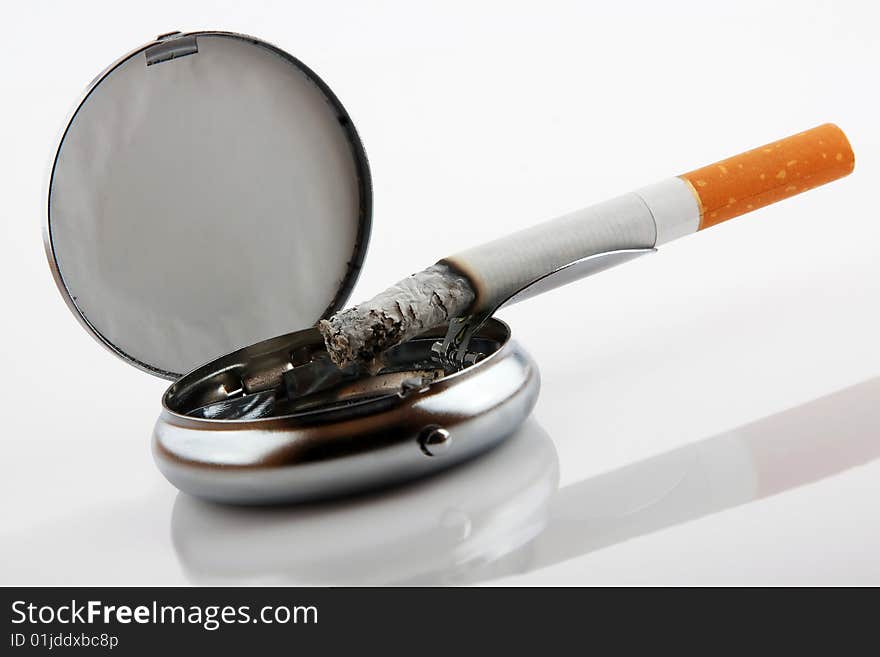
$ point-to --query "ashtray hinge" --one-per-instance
(173, 45)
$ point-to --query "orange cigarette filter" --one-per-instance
(770, 173)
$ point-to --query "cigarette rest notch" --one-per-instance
(454, 350)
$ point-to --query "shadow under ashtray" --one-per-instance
(502, 514)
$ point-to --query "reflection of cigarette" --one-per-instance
(479, 278)
(799, 446)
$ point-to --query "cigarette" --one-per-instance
(481, 278)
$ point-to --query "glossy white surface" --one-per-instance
(667, 472)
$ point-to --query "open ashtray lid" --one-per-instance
(209, 191)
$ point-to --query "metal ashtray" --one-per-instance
(277, 421)
(210, 192)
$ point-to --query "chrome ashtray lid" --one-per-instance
(209, 191)
(276, 422)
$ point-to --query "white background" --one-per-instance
(480, 118)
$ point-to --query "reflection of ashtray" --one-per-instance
(434, 530)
